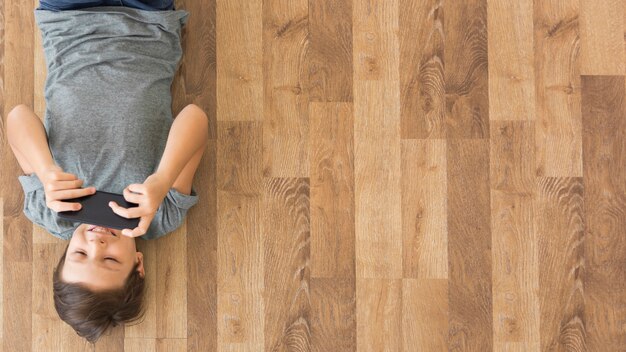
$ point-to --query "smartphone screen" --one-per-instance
(95, 210)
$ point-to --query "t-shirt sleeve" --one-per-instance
(171, 213)
(37, 211)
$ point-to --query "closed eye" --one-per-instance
(113, 259)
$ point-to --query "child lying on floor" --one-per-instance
(108, 126)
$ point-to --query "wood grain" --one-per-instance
(560, 239)
(332, 190)
(379, 315)
(466, 69)
(425, 315)
(469, 245)
(202, 257)
(604, 151)
(18, 88)
(196, 79)
(377, 180)
(557, 88)
(422, 98)
(424, 209)
(17, 306)
(333, 314)
(329, 51)
(238, 157)
(515, 281)
(602, 37)
(511, 60)
(380, 176)
(376, 44)
(285, 88)
(512, 156)
(239, 60)
(171, 284)
(240, 274)
(286, 247)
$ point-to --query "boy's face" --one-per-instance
(93, 268)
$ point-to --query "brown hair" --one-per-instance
(91, 313)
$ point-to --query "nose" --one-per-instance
(97, 236)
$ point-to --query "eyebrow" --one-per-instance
(106, 267)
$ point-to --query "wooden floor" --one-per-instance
(382, 175)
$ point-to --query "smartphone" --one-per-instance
(96, 210)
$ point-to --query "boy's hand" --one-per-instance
(149, 195)
(59, 185)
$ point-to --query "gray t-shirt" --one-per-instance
(108, 104)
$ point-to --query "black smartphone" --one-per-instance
(96, 210)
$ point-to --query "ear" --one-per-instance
(140, 268)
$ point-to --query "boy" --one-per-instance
(108, 125)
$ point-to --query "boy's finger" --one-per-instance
(63, 176)
(59, 206)
(128, 213)
(74, 193)
(131, 197)
(71, 184)
(140, 230)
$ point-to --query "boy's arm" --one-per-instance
(27, 137)
(185, 144)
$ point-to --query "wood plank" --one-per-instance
(377, 180)
(111, 340)
(557, 80)
(469, 245)
(329, 55)
(239, 242)
(376, 49)
(285, 92)
(515, 268)
(171, 345)
(195, 81)
(425, 314)
(286, 247)
(512, 156)
(602, 37)
(239, 54)
(147, 328)
(379, 315)
(17, 306)
(17, 62)
(18, 89)
(515, 272)
(424, 209)
(604, 150)
(202, 257)
(40, 72)
(511, 60)
(560, 236)
(171, 284)
(466, 71)
(422, 95)
(333, 320)
(239, 157)
(332, 190)
(240, 275)
(135, 344)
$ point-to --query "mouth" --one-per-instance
(100, 229)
